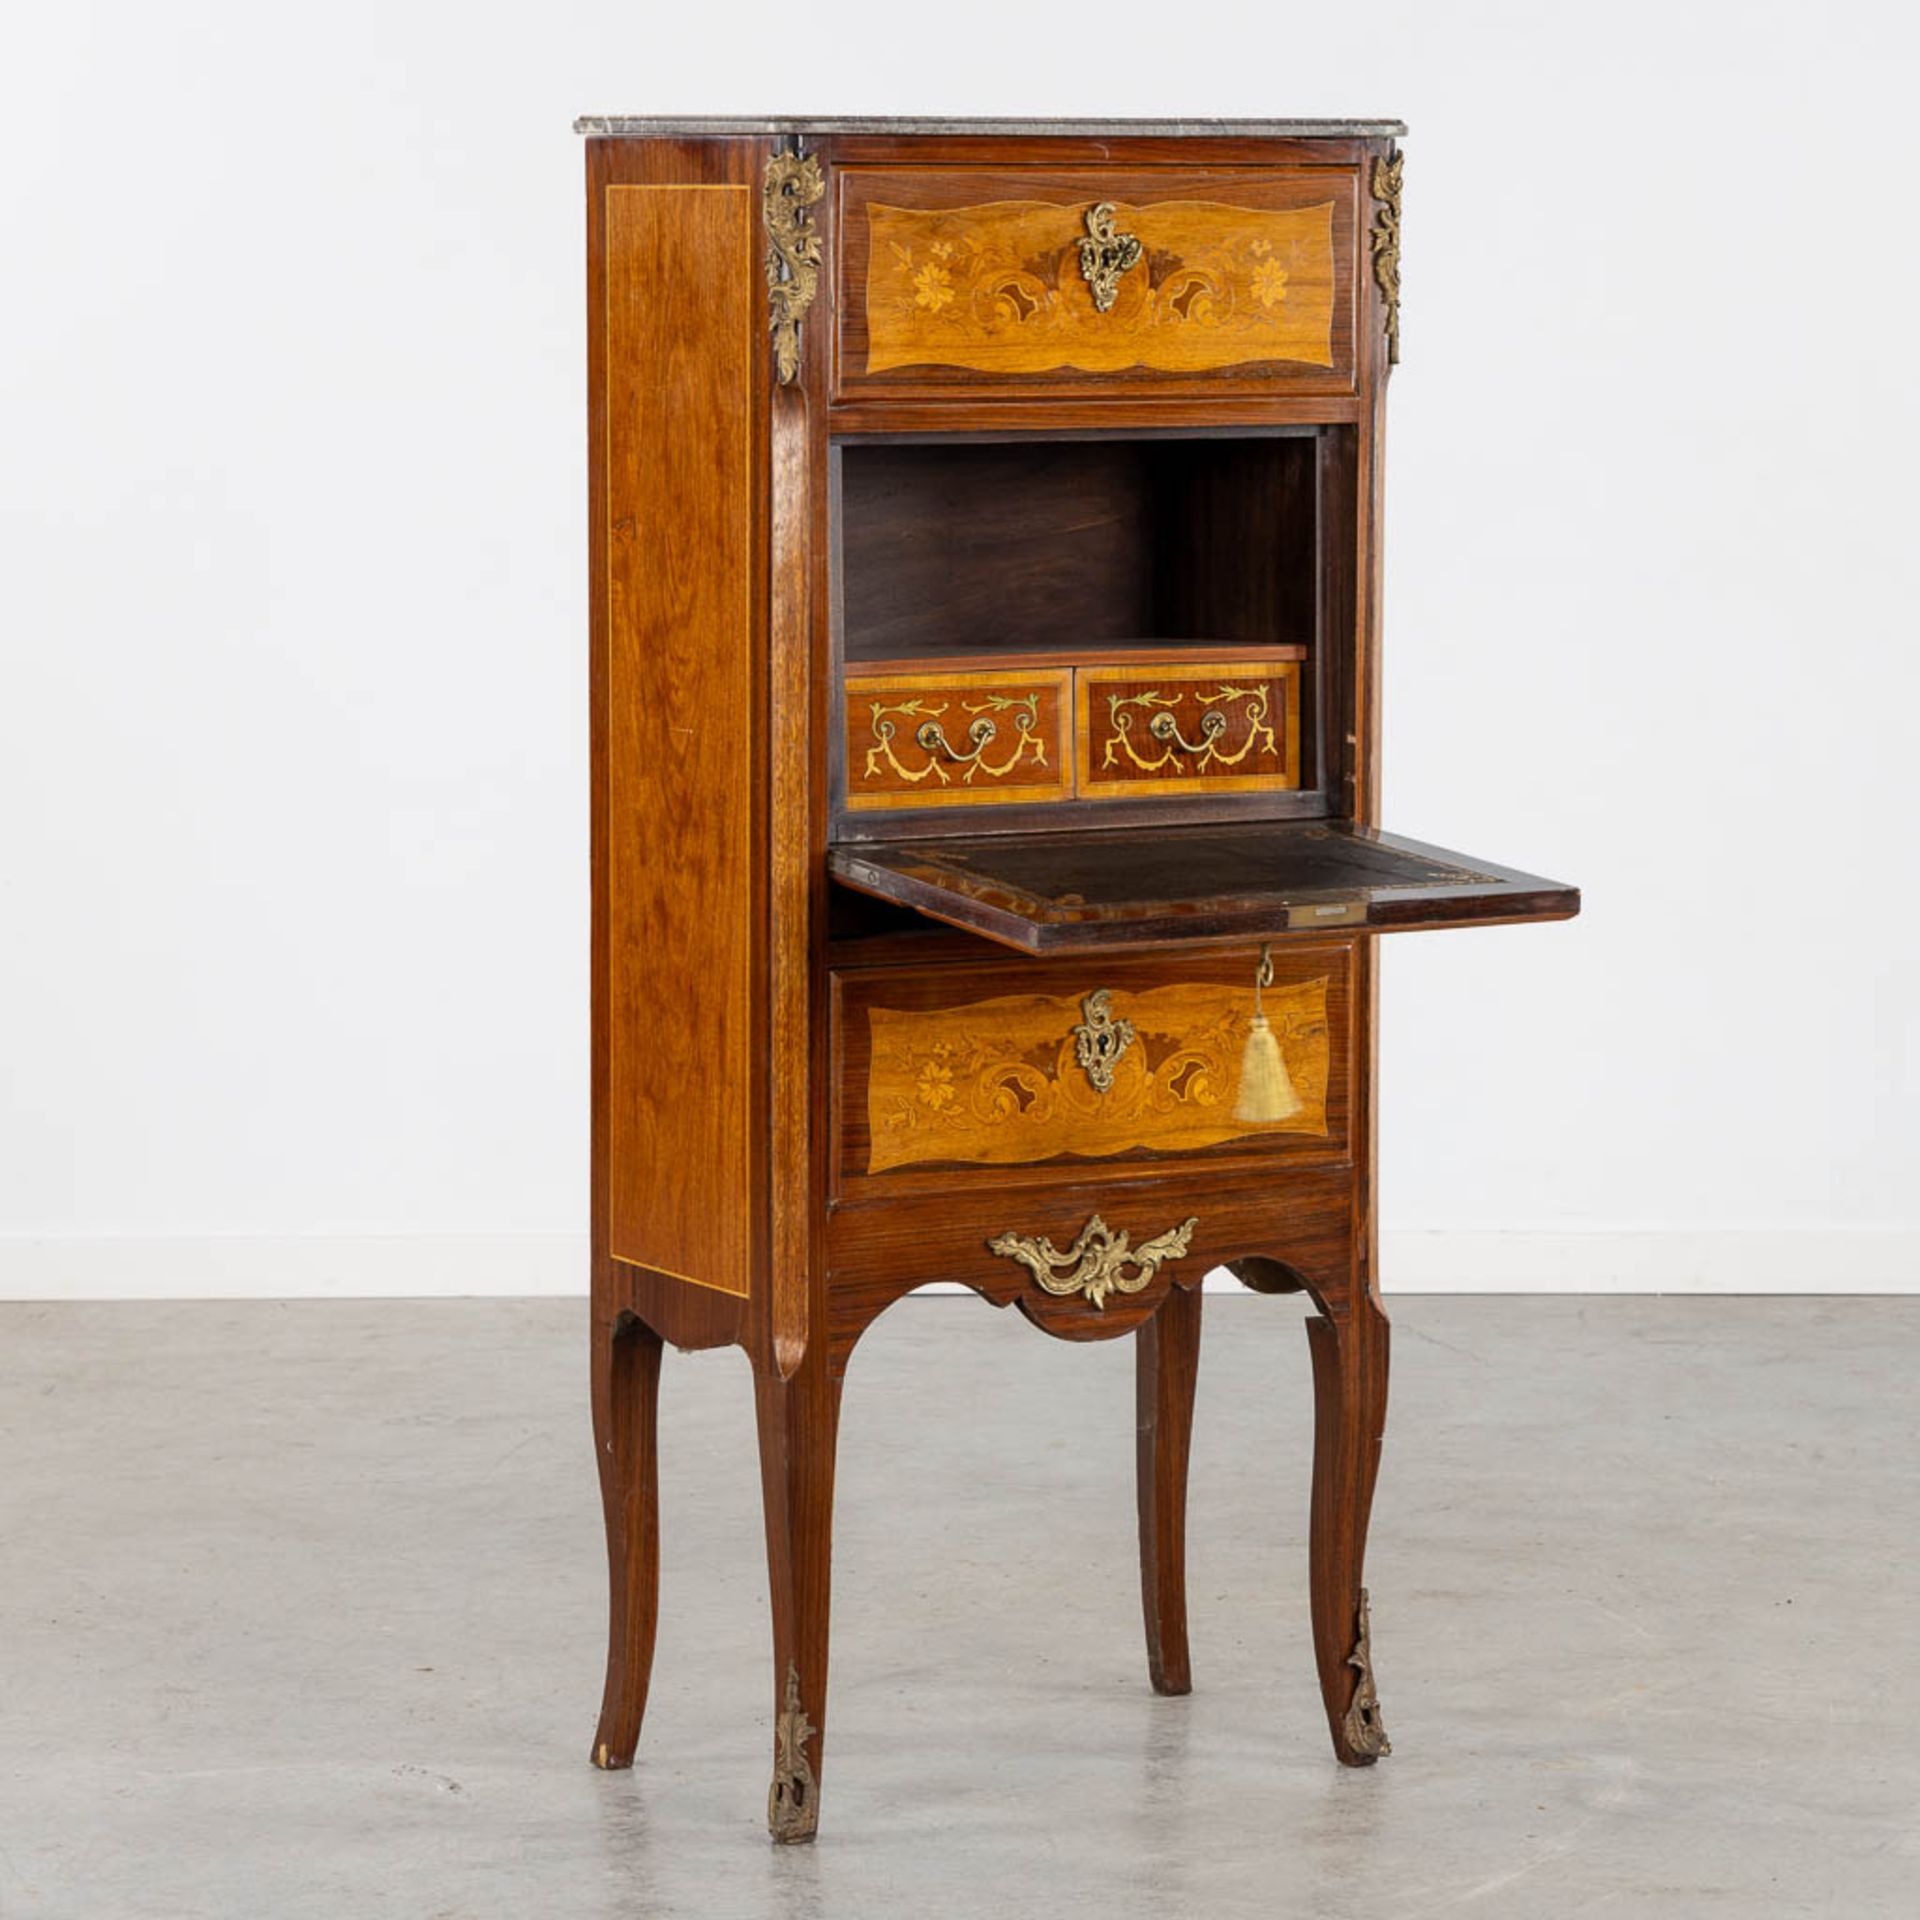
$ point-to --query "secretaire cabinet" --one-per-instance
(985, 545)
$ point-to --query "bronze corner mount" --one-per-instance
(793, 1810)
(794, 184)
(1388, 170)
(1363, 1729)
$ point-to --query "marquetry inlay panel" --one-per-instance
(999, 1083)
(999, 288)
(956, 739)
(1228, 730)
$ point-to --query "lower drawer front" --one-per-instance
(945, 1073)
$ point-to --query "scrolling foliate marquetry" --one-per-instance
(955, 739)
(1152, 720)
(1235, 732)
(998, 288)
(982, 719)
(1001, 1082)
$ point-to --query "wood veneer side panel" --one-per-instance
(598, 642)
(682, 880)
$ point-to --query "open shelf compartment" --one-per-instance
(991, 546)
(1156, 614)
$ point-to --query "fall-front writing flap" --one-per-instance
(1165, 886)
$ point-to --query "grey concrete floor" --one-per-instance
(300, 1615)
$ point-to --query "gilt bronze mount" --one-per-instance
(1100, 1040)
(1097, 1263)
(1388, 172)
(1105, 254)
(1365, 1731)
(792, 1811)
(793, 185)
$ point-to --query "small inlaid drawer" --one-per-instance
(957, 739)
(1078, 1065)
(1222, 729)
(1078, 277)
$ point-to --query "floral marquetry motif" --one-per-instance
(1026, 286)
(1003, 1082)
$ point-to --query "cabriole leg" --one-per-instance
(1166, 1362)
(799, 1421)
(1348, 1343)
(626, 1403)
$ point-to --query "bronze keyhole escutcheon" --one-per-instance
(1099, 1040)
(1105, 254)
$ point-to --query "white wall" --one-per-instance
(292, 744)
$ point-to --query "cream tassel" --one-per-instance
(1266, 1093)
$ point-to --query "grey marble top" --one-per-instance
(621, 126)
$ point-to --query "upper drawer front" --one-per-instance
(1090, 278)
(1080, 1067)
(956, 739)
(1208, 730)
